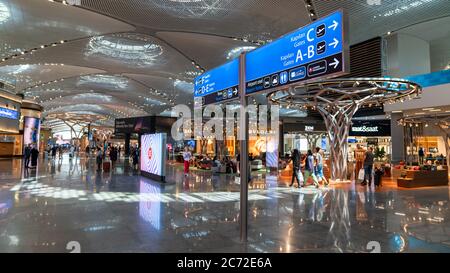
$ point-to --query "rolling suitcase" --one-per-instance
(106, 166)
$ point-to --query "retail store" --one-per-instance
(374, 133)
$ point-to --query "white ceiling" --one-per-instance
(119, 58)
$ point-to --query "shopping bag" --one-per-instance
(300, 177)
(361, 175)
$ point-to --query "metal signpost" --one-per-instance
(318, 50)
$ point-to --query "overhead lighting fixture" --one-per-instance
(117, 82)
(134, 48)
(402, 8)
(4, 13)
(235, 52)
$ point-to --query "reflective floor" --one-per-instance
(63, 201)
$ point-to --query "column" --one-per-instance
(397, 138)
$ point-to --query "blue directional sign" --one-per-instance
(8, 113)
(218, 84)
(316, 50)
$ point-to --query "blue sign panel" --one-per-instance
(8, 113)
(315, 50)
(218, 84)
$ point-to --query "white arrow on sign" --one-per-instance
(335, 63)
(334, 43)
(334, 25)
(235, 91)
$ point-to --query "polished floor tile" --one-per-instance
(63, 201)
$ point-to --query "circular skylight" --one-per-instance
(131, 48)
(4, 13)
(194, 8)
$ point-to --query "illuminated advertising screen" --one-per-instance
(31, 128)
(153, 155)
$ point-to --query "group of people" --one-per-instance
(364, 160)
(31, 153)
(312, 165)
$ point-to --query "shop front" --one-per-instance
(371, 133)
(10, 119)
(304, 136)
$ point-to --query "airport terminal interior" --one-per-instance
(224, 126)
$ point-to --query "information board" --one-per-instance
(317, 50)
(218, 84)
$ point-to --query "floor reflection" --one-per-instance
(42, 209)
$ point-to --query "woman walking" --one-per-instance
(186, 157)
(309, 168)
(296, 172)
(319, 166)
(99, 159)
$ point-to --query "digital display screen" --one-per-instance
(8, 113)
(153, 154)
(31, 129)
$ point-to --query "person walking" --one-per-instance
(296, 172)
(60, 151)
(186, 158)
(359, 159)
(319, 166)
(54, 148)
(27, 155)
(135, 157)
(368, 166)
(87, 151)
(99, 159)
(113, 156)
(71, 152)
(34, 156)
(421, 155)
(309, 168)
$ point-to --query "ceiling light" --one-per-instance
(235, 52)
(126, 47)
(4, 13)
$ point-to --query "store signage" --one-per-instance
(370, 128)
(365, 129)
(8, 113)
(309, 128)
(218, 84)
(314, 51)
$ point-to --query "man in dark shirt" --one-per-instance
(27, 155)
(368, 165)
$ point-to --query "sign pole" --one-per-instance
(243, 135)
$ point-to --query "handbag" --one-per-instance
(361, 174)
(300, 177)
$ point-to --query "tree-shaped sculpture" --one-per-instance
(338, 100)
